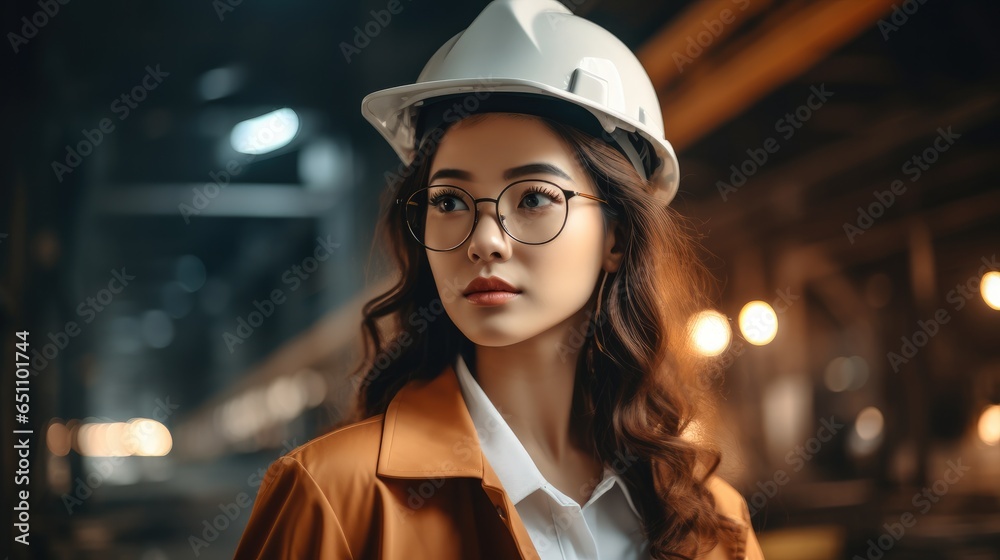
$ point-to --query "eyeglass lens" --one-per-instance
(442, 217)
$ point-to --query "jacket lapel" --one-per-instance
(429, 433)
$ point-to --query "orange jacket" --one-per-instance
(411, 484)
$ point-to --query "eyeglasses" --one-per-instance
(532, 211)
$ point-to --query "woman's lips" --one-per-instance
(490, 298)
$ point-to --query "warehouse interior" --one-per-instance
(839, 158)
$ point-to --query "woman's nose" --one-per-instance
(489, 241)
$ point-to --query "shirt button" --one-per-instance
(501, 512)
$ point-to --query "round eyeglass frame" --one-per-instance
(496, 207)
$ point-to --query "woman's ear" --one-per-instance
(614, 246)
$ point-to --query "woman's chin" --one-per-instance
(492, 335)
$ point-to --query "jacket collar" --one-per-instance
(428, 432)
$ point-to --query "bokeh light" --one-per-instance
(758, 323)
(709, 332)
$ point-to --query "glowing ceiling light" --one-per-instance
(989, 287)
(265, 133)
(57, 438)
(710, 333)
(147, 438)
(758, 323)
(989, 425)
(869, 423)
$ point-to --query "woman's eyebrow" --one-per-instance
(534, 168)
(512, 173)
(448, 173)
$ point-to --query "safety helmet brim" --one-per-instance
(394, 113)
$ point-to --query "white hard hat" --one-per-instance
(533, 56)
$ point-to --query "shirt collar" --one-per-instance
(501, 447)
(505, 453)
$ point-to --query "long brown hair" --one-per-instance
(635, 393)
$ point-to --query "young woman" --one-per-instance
(528, 382)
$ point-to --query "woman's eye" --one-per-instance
(536, 199)
(447, 203)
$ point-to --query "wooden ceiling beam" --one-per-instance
(896, 128)
(781, 50)
(666, 55)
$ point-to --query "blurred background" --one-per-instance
(189, 194)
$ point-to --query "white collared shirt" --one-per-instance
(606, 527)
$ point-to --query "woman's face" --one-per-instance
(554, 280)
